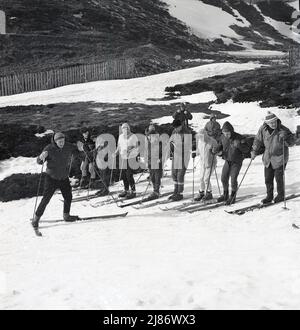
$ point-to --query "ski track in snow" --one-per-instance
(154, 259)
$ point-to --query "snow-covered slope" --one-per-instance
(139, 90)
(211, 21)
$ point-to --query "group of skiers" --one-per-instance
(273, 140)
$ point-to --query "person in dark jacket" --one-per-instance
(88, 162)
(181, 147)
(276, 140)
(213, 128)
(183, 115)
(58, 156)
(154, 160)
(232, 147)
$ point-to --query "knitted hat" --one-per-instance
(176, 123)
(58, 136)
(227, 127)
(270, 118)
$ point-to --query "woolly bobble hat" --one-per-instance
(270, 117)
(58, 136)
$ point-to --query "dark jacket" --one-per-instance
(59, 160)
(273, 144)
(230, 152)
(184, 118)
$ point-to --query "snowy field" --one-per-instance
(153, 259)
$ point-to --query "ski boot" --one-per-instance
(279, 198)
(224, 197)
(153, 196)
(70, 218)
(178, 197)
(208, 196)
(131, 195)
(200, 196)
(35, 224)
(232, 199)
(268, 199)
(123, 194)
(102, 193)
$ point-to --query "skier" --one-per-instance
(232, 147)
(58, 155)
(180, 146)
(155, 163)
(128, 150)
(213, 128)
(101, 162)
(208, 163)
(87, 164)
(183, 115)
(276, 139)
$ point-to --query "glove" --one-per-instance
(236, 143)
(43, 156)
(253, 155)
(283, 135)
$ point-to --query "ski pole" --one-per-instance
(218, 183)
(38, 190)
(194, 179)
(241, 182)
(283, 166)
(98, 174)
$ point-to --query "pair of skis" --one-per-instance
(81, 219)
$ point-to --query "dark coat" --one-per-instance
(273, 144)
(184, 118)
(89, 149)
(230, 152)
(154, 150)
(59, 160)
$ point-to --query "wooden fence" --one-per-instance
(76, 74)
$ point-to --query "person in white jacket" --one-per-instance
(208, 163)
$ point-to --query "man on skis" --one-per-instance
(154, 159)
(183, 115)
(276, 140)
(232, 147)
(58, 156)
(128, 150)
(208, 163)
(180, 147)
(87, 165)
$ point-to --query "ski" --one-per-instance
(259, 206)
(188, 205)
(143, 200)
(211, 205)
(295, 226)
(158, 202)
(96, 217)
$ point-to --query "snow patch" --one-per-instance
(48, 132)
(139, 90)
(18, 165)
